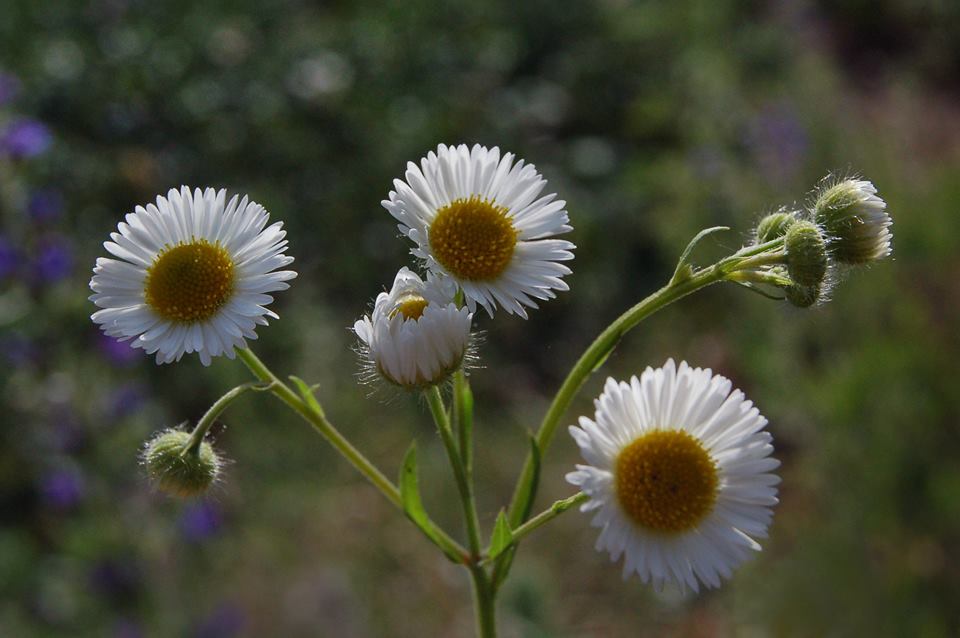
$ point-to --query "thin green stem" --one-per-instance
(463, 413)
(221, 404)
(313, 414)
(484, 603)
(439, 411)
(324, 427)
(544, 517)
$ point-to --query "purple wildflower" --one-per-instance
(45, 205)
(25, 138)
(62, 488)
(200, 521)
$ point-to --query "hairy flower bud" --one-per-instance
(855, 220)
(806, 254)
(774, 225)
(802, 296)
(177, 471)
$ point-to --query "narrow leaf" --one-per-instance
(413, 505)
(502, 536)
(684, 268)
(306, 392)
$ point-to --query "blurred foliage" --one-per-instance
(653, 120)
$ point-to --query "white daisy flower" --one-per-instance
(416, 336)
(856, 221)
(679, 475)
(192, 275)
(479, 219)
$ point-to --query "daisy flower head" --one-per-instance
(479, 219)
(417, 336)
(856, 221)
(191, 274)
(678, 474)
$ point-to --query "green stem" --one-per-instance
(592, 358)
(203, 426)
(439, 411)
(544, 517)
(315, 417)
(484, 604)
(463, 411)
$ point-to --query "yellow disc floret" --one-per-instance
(190, 282)
(412, 307)
(666, 481)
(473, 239)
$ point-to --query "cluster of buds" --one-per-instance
(847, 225)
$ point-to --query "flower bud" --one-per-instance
(802, 296)
(855, 221)
(177, 471)
(774, 225)
(806, 254)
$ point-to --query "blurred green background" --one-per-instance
(653, 120)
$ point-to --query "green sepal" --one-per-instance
(684, 270)
(306, 393)
(502, 536)
(413, 505)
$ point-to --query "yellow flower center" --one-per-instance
(473, 239)
(189, 282)
(411, 306)
(666, 481)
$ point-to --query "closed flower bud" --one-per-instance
(855, 221)
(177, 471)
(806, 254)
(774, 225)
(802, 296)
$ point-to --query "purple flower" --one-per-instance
(9, 87)
(17, 350)
(54, 260)
(119, 353)
(45, 205)
(200, 521)
(9, 258)
(25, 138)
(227, 620)
(778, 140)
(126, 628)
(125, 400)
(62, 488)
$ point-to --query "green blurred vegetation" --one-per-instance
(653, 120)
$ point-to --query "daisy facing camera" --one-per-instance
(191, 274)
(679, 474)
(478, 218)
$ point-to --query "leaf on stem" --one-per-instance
(684, 269)
(413, 505)
(306, 392)
(502, 536)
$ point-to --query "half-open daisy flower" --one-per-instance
(416, 336)
(479, 219)
(192, 275)
(679, 475)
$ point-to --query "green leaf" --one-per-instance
(502, 536)
(306, 392)
(684, 270)
(413, 505)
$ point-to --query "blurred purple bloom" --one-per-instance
(119, 353)
(226, 621)
(778, 140)
(17, 350)
(126, 628)
(116, 578)
(200, 521)
(9, 258)
(25, 138)
(125, 400)
(62, 488)
(45, 205)
(9, 87)
(54, 260)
